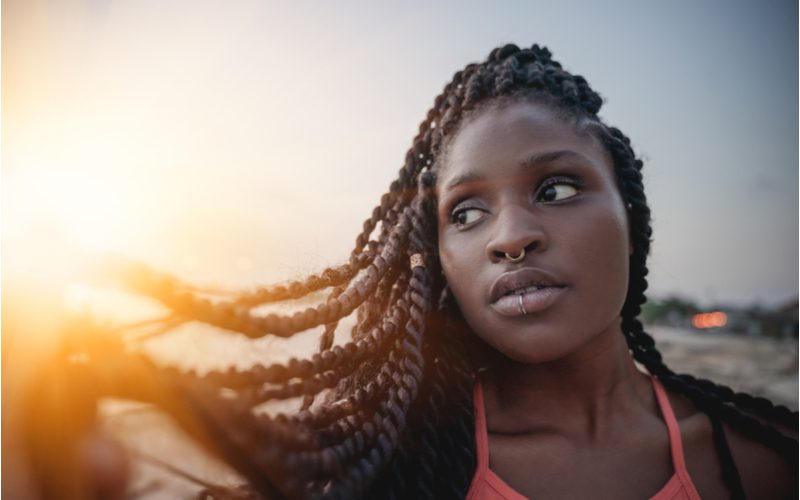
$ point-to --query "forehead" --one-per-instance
(499, 138)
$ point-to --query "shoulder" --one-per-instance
(763, 472)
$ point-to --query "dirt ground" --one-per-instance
(759, 366)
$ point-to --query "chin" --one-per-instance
(545, 343)
(534, 355)
(527, 348)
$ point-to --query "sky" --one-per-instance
(240, 143)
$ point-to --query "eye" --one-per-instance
(556, 191)
(466, 216)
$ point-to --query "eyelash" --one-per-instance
(555, 181)
(551, 181)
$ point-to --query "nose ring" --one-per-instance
(516, 259)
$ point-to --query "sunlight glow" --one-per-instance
(87, 210)
(76, 183)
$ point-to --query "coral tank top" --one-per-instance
(486, 485)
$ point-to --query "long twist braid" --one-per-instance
(399, 392)
(707, 395)
(511, 73)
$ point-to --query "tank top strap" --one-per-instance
(673, 429)
(680, 484)
(481, 436)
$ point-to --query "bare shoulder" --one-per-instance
(764, 473)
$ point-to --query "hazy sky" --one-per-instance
(242, 142)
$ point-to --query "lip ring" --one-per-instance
(522, 306)
(533, 303)
(513, 281)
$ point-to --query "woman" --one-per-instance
(497, 289)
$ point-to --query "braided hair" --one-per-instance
(386, 409)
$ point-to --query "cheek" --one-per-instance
(453, 262)
(460, 261)
(605, 254)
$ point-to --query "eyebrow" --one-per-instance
(532, 161)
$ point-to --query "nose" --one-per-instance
(516, 231)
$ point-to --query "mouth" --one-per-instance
(522, 281)
(528, 289)
(525, 291)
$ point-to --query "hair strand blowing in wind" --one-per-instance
(399, 393)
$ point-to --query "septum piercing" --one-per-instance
(516, 259)
(521, 305)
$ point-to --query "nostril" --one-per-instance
(511, 241)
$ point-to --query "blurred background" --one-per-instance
(241, 143)
(246, 142)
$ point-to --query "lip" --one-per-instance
(519, 279)
(527, 303)
(506, 303)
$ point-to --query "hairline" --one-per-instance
(582, 122)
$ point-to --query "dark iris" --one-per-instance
(549, 193)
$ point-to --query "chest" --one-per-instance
(635, 465)
(548, 466)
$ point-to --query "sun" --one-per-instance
(90, 212)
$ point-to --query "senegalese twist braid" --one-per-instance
(398, 421)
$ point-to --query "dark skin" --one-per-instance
(569, 414)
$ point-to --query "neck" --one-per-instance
(587, 392)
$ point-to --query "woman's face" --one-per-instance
(518, 178)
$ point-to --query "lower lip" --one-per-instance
(533, 302)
